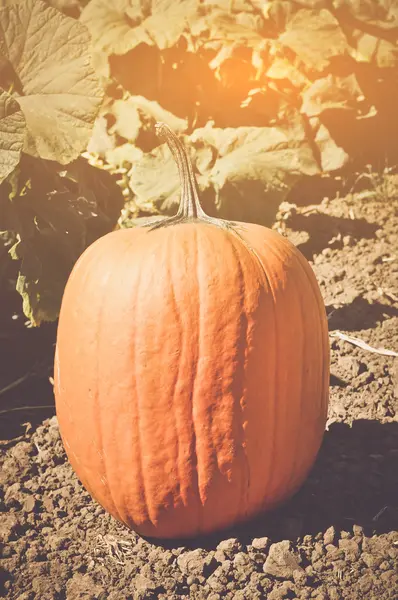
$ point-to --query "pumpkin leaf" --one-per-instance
(154, 181)
(378, 13)
(256, 168)
(72, 8)
(53, 79)
(96, 197)
(331, 93)
(101, 141)
(126, 127)
(12, 134)
(375, 50)
(120, 26)
(52, 236)
(316, 37)
(57, 216)
(332, 156)
(123, 156)
(137, 115)
(243, 173)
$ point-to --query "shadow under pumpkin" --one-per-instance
(353, 482)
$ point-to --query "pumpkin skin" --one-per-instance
(191, 375)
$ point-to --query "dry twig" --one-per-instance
(361, 344)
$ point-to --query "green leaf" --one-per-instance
(58, 91)
(375, 50)
(120, 26)
(332, 156)
(71, 8)
(378, 13)
(96, 197)
(122, 156)
(243, 173)
(331, 93)
(42, 277)
(137, 115)
(58, 216)
(12, 134)
(316, 37)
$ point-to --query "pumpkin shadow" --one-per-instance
(26, 394)
(359, 314)
(353, 482)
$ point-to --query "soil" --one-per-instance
(336, 539)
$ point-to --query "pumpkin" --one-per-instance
(191, 369)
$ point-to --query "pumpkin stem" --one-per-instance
(190, 206)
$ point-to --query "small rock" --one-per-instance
(329, 536)
(194, 590)
(365, 583)
(251, 592)
(64, 492)
(352, 365)
(391, 576)
(220, 556)
(393, 553)
(144, 585)
(334, 593)
(318, 566)
(14, 496)
(226, 566)
(22, 451)
(357, 530)
(30, 504)
(40, 587)
(196, 562)
(53, 433)
(34, 554)
(350, 549)
(241, 560)
(395, 378)
(58, 542)
(345, 534)
(348, 240)
(7, 552)
(310, 571)
(334, 553)
(230, 546)
(48, 504)
(281, 593)
(218, 580)
(371, 560)
(80, 587)
(262, 544)
(239, 595)
(9, 524)
(300, 577)
(281, 562)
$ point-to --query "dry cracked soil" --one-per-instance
(336, 539)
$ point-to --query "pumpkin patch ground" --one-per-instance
(336, 539)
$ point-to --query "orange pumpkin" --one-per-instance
(191, 370)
